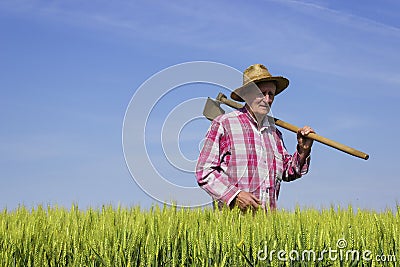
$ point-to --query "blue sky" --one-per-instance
(69, 69)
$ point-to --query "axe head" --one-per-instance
(212, 109)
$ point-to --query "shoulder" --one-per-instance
(229, 117)
(227, 122)
(223, 124)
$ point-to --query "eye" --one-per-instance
(271, 94)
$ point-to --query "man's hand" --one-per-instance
(245, 200)
(303, 143)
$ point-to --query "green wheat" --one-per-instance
(171, 236)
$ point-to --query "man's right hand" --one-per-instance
(245, 200)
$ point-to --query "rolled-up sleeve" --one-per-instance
(292, 169)
(210, 175)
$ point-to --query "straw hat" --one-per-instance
(259, 73)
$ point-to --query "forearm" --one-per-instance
(304, 154)
(295, 165)
(216, 184)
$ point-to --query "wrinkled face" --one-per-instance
(260, 102)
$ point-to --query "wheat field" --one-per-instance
(171, 236)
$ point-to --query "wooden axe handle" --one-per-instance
(354, 152)
(324, 140)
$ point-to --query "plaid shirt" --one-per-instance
(236, 156)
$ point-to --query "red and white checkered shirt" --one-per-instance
(236, 156)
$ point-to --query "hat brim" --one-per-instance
(281, 84)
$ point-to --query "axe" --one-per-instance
(212, 109)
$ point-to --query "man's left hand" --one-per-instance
(303, 143)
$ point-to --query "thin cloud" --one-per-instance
(362, 23)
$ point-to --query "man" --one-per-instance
(244, 160)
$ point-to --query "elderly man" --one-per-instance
(244, 160)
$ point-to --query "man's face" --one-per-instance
(260, 102)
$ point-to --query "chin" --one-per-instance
(263, 112)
